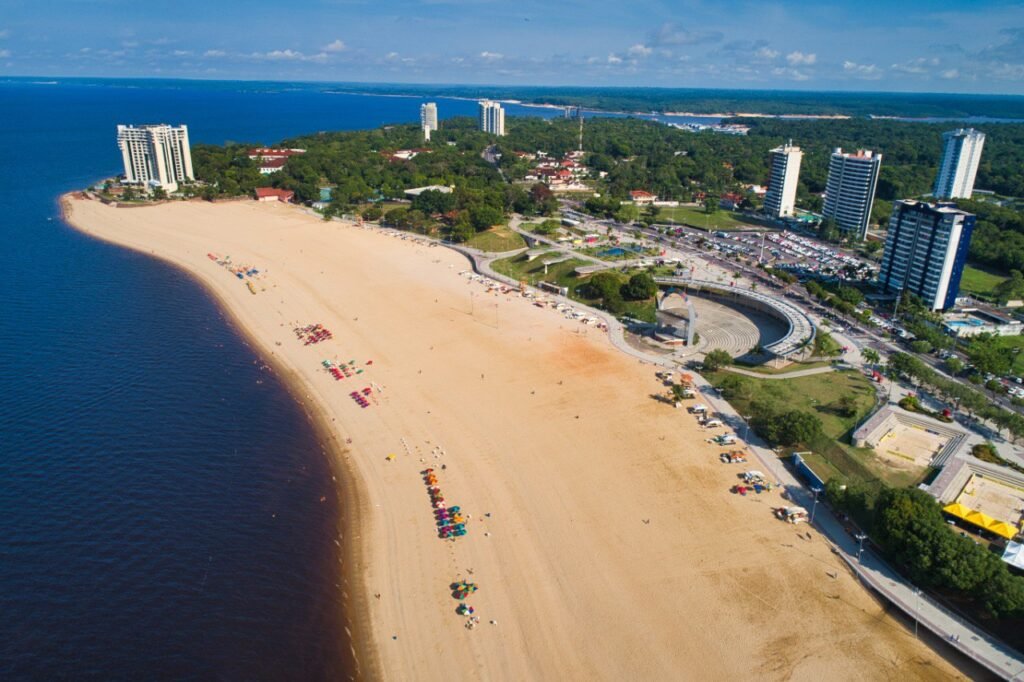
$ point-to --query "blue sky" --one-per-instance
(910, 45)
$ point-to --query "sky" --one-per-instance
(874, 45)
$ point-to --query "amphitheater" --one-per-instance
(735, 320)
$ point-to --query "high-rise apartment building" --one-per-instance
(492, 117)
(156, 155)
(784, 163)
(850, 190)
(960, 156)
(428, 118)
(926, 250)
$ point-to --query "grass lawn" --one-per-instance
(1015, 346)
(532, 271)
(979, 282)
(696, 217)
(563, 274)
(820, 394)
(497, 240)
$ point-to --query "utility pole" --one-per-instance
(817, 491)
(860, 550)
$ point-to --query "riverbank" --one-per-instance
(601, 531)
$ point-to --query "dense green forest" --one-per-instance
(635, 154)
(713, 101)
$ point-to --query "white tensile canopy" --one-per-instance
(1014, 555)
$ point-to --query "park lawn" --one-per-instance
(497, 240)
(563, 274)
(979, 282)
(1015, 346)
(696, 217)
(532, 272)
(832, 455)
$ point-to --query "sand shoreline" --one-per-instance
(614, 549)
(357, 615)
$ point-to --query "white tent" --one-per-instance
(1014, 555)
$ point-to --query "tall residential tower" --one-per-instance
(850, 190)
(428, 119)
(784, 162)
(492, 117)
(926, 250)
(156, 155)
(960, 156)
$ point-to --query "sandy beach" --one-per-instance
(601, 529)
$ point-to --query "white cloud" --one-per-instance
(866, 71)
(335, 46)
(278, 55)
(950, 74)
(491, 56)
(215, 53)
(183, 53)
(798, 58)
(916, 67)
(639, 50)
(792, 74)
(5, 32)
(614, 59)
(766, 53)
(4, 54)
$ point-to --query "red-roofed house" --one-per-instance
(270, 153)
(274, 194)
(268, 166)
(639, 196)
(730, 200)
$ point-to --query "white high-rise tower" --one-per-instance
(960, 156)
(428, 119)
(780, 199)
(156, 155)
(492, 117)
(850, 190)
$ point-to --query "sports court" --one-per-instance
(911, 443)
(1001, 501)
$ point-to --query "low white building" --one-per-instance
(968, 322)
(416, 191)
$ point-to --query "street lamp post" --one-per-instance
(860, 549)
(746, 427)
(816, 491)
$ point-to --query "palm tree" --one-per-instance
(872, 356)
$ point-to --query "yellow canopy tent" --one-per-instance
(1003, 529)
(979, 519)
(957, 510)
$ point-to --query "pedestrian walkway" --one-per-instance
(783, 375)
